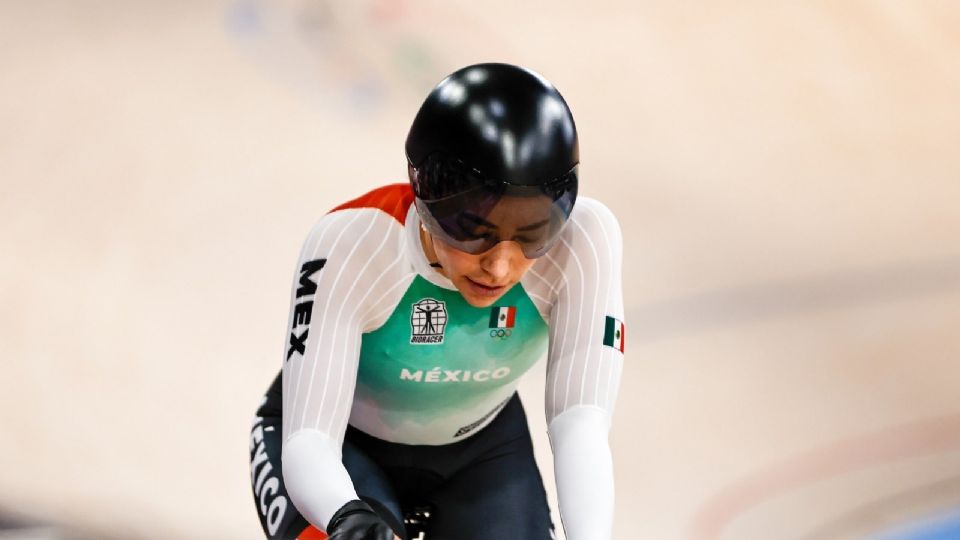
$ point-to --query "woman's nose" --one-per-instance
(498, 262)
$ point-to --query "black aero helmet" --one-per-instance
(492, 156)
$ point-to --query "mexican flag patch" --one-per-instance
(613, 333)
(503, 316)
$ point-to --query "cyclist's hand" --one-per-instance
(357, 521)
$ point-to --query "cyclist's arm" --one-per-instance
(336, 292)
(584, 472)
(585, 362)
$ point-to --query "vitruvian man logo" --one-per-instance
(428, 321)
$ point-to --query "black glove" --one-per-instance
(357, 521)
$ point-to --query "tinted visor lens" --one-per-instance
(476, 220)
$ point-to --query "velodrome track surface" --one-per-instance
(786, 177)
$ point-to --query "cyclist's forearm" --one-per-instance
(584, 472)
(314, 475)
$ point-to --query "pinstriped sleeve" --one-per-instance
(347, 262)
(581, 369)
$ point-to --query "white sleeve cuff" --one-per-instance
(316, 480)
(584, 472)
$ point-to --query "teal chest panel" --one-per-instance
(436, 351)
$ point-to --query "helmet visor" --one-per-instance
(479, 218)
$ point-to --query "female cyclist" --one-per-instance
(415, 310)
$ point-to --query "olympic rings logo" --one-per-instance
(500, 333)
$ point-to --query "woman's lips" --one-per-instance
(483, 290)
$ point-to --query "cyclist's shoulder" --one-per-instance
(592, 240)
(368, 227)
(594, 217)
(391, 200)
(594, 222)
(371, 217)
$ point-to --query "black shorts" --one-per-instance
(485, 486)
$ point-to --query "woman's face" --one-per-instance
(481, 279)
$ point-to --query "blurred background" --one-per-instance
(787, 176)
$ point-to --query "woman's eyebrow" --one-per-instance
(532, 226)
(478, 220)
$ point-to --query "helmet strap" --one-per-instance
(426, 242)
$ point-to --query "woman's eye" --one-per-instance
(479, 235)
(528, 239)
